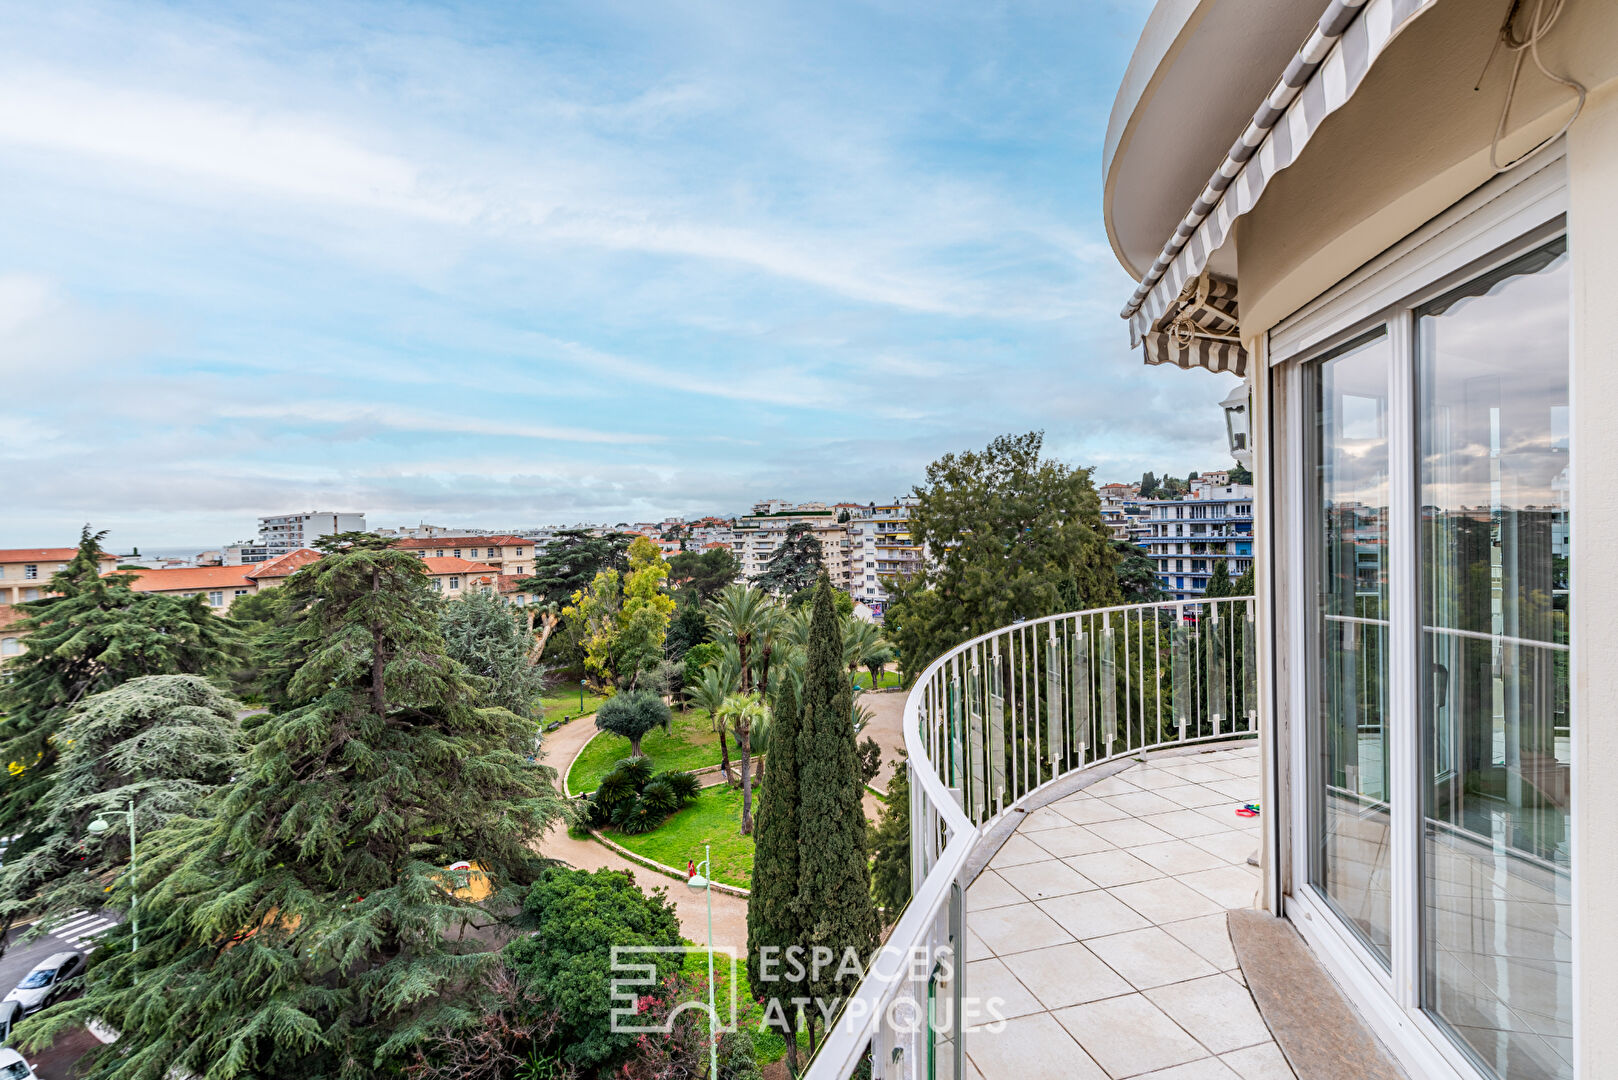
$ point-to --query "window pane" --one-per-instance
(1350, 553)
(1493, 360)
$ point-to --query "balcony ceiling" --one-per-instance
(1199, 71)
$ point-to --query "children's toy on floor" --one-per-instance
(1250, 810)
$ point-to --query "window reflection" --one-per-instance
(1493, 359)
(1350, 549)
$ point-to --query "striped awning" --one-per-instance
(1200, 329)
(1320, 79)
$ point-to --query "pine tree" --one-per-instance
(96, 634)
(792, 566)
(773, 917)
(834, 872)
(158, 744)
(483, 633)
(1219, 582)
(304, 924)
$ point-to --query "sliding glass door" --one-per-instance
(1492, 399)
(1349, 465)
(1434, 573)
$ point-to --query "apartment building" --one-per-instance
(281, 533)
(1122, 513)
(13, 642)
(25, 573)
(882, 549)
(756, 536)
(511, 555)
(1186, 536)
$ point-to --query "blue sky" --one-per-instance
(517, 264)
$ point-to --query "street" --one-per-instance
(55, 1062)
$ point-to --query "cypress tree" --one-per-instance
(303, 924)
(834, 870)
(772, 909)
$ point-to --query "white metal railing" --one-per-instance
(989, 724)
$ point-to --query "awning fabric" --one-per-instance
(1199, 329)
(1320, 79)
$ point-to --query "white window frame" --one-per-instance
(1500, 221)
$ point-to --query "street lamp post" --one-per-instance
(582, 683)
(704, 880)
(99, 826)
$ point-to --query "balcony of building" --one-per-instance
(1080, 833)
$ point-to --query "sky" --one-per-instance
(511, 265)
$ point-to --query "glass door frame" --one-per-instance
(1496, 224)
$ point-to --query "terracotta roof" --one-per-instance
(23, 555)
(448, 564)
(191, 579)
(284, 566)
(508, 583)
(446, 542)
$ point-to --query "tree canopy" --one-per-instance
(1009, 536)
(96, 634)
(703, 574)
(632, 715)
(794, 565)
(571, 561)
(156, 745)
(304, 923)
(1137, 574)
(485, 635)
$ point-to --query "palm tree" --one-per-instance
(710, 693)
(738, 613)
(864, 646)
(741, 712)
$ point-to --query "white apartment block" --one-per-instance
(282, 533)
(758, 535)
(1186, 536)
(882, 548)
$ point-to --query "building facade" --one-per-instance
(281, 533)
(1185, 537)
(1408, 254)
(755, 537)
(882, 550)
(222, 586)
(25, 573)
(511, 555)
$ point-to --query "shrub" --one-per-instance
(567, 961)
(631, 798)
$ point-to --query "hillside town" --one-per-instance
(863, 547)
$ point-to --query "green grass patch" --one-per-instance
(562, 703)
(690, 744)
(890, 679)
(714, 818)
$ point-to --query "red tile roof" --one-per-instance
(447, 542)
(191, 579)
(284, 566)
(26, 555)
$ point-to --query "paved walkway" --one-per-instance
(729, 912)
(1101, 925)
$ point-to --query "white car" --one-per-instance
(13, 1066)
(43, 985)
(10, 1013)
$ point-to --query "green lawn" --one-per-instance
(863, 678)
(714, 817)
(562, 702)
(690, 744)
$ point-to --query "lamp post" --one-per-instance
(582, 683)
(99, 826)
(703, 880)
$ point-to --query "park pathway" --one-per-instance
(729, 912)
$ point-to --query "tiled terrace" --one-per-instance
(1101, 925)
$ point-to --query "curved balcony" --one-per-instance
(1016, 742)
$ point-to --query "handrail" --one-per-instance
(990, 724)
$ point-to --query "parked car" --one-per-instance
(43, 985)
(10, 1013)
(13, 1066)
